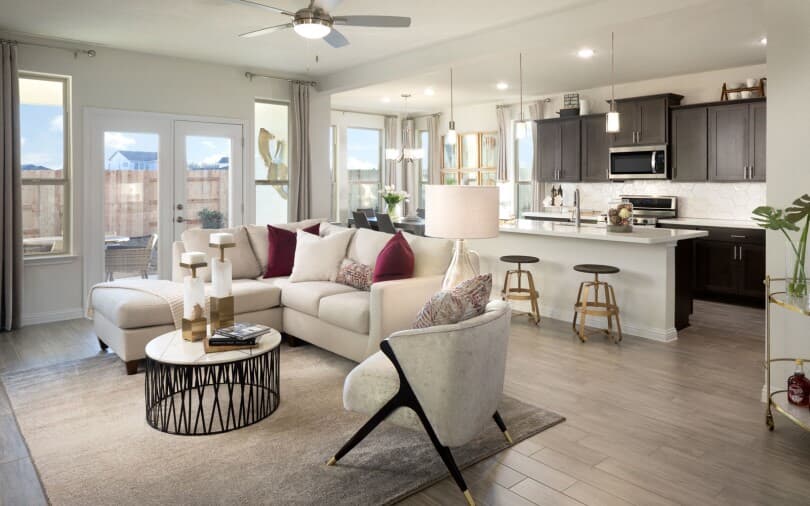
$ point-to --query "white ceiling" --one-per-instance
(207, 29)
(720, 34)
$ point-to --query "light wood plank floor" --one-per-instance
(648, 423)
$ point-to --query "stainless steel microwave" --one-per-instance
(639, 162)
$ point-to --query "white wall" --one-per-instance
(697, 199)
(788, 24)
(140, 82)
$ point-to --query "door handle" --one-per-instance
(738, 236)
(740, 255)
(179, 219)
(179, 207)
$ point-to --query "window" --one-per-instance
(524, 162)
(478, 152)
(45, 148)
(423, 143)
(272, 161)
(363, 162)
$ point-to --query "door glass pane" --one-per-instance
(525, 158)
(469, 151)
(43, 219)
(489, 150)
(130, 204)
(469, 178)
(271, 161)
(363, 150)
(524, 198)
(450, 156)
(449, 177)
(207, 167)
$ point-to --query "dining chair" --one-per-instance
(420, 211)
(360, 220)
(384, 223)
(369, 212)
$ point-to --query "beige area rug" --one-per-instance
(84, 423)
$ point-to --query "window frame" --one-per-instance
(380, 165)
(271, 182)
(67, 164)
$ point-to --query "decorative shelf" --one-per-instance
(800, 306)
(800, 415)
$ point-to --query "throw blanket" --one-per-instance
(169, 291)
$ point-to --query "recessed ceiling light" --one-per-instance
(502, 86)
(429, 92)
(764, 41)
(585, 53)
(385, 100)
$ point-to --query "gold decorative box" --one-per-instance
(221, 312)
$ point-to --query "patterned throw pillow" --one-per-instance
(467, 300)
(356, 275)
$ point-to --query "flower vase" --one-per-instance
(795, 274)
(393, 210)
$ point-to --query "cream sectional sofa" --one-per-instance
(336, 317)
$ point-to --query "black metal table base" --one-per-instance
(200, 399)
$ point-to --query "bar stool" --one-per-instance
(519, 292)
(609, 308)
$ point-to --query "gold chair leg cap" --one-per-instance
(508, 437)
(470, 500)
(331, 462)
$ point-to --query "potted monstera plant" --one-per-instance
(790, 221)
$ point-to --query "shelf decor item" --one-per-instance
(620, 216)
(737, 91)
(794, 218)
(221, 301)
(570, 105)
(393, 198)
(194, 322)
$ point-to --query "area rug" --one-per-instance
(85, 426)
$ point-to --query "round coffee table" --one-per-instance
(190, 392)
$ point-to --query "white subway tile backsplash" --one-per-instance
(733, 201)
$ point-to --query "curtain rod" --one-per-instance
(251, 75)
(501, 106)
(89, 52)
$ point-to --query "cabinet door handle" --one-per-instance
(750, 172)
(734, 252)
(733, 236)
(740, 255)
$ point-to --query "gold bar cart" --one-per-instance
(778, 399)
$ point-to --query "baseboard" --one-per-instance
(52, 316)
(662, 335)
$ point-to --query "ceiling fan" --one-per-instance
(314, 22)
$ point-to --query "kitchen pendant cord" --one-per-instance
(612, 77)
(520, 65)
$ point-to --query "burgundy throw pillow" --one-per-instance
(281, 250)
(395, 261)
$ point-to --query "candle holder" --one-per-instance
(194, 323)
(222, 306)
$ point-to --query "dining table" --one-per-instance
(413, 226)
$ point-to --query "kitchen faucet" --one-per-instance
(577, 208)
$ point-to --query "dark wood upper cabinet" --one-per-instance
(737, 141)
(644, 120)
(558, 149)
(690, 144)
(595, 145)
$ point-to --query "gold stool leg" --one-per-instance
(535, 315)
(584, 307)
(616, 305)
(610, 315)
(576, 306)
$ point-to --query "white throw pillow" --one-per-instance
(318, 258)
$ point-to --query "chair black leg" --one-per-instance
(366, 429)
(502, 426)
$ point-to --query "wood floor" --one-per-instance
(647, 423)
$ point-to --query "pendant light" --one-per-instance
(612, 117)
(520, 125)
(407, 152)
(452, 136)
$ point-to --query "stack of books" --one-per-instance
(240, 335)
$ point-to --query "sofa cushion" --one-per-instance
(355, 275)
(250, 295)
(132, 309)
(257, 235)
(245, 264)
(346, 310)
(373, 383)
(318, 258)
(281, 250)
(366, 245)
(431, 255)
(306, 296)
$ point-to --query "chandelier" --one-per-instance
(407, 152)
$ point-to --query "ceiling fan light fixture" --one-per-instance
(312, 28)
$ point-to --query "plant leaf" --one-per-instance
(799, 210)
(772, 219)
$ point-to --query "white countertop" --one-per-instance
(599, 233)
(562, 212)
(710, 222)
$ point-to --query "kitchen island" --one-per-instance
(653, 289)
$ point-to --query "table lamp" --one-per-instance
(194, 321)
(221, 301)
(459, 213)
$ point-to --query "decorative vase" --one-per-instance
(393, 209)
(795, 274)
(620, 216)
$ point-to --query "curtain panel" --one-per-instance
(390, 142)
(504, 116)
(435, 150)
(300, 158)
(11, 251)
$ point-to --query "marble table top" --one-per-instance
(171, 348)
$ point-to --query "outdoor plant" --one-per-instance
(794, 218)
(211, 218)
(392, 197)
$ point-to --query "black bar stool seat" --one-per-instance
(609, 308)
(519, 292)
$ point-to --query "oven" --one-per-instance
(639, 162)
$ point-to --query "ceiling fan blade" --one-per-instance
(336, 39)
(263, 6)
(381, 21)
(265, 31)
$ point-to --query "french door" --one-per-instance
(148, 178)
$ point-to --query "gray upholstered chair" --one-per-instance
(450, 376)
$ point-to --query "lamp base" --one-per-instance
(195, 330)
(460, 269)
(221, 312)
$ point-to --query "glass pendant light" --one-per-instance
(521, 126)
(612, 118)
(451, 137)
